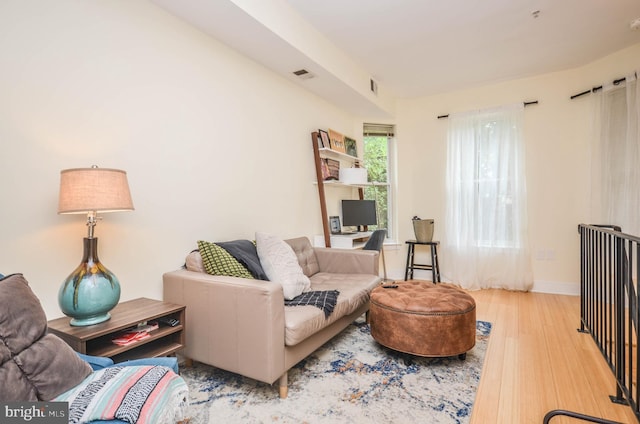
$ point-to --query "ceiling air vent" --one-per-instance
(303, 74)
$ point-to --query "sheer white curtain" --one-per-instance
(486, 243)
(615, 158)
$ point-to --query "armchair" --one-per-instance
(37, 366)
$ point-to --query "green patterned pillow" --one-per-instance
(218, 261)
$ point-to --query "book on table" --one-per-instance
(135, 334)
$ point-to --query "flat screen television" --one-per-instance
(358, 213)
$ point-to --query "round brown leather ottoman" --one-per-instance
(424, 319)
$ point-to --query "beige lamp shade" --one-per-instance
(84, 190)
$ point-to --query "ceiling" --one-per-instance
(416, 48)
(422, 47)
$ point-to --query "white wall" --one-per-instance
(557, 132)
(215, 146)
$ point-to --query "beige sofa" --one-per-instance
(241, 325)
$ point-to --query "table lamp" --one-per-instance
(91, 290)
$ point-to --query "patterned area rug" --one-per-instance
(351, 379)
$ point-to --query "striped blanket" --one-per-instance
(134, 394)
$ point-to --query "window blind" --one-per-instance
(378, 130)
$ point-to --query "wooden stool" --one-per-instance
(434, 267)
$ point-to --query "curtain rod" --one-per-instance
(535, 102)
(594, 89)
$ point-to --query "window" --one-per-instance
(616, 152)
(378, 153)
(484, 171)
(486, 224)
(494, 191)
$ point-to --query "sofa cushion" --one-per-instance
(306, 255)
(245, 252)
(303, 321)
(34, 365)
(281, 265)
(193, 262)
(217, 261)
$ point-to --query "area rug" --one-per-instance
(351, 379)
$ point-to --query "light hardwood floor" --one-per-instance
(537, 361)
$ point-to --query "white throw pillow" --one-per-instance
(281, 265)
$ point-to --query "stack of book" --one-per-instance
(135, 334)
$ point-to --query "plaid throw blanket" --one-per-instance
(325, 300)
(134, 394)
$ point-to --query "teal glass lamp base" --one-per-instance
(90, 291)
(83, 322)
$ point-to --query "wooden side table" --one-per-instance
(434, 267)
(96, 339)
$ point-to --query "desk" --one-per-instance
(434, 267)
(344, 241)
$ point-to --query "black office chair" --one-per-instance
(375, 242)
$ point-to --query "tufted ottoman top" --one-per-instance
(423, 298)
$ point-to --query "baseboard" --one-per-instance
(555, 287)
(539, 286)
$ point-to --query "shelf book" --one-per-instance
(135, 334)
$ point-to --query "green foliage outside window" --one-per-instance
(376, 160)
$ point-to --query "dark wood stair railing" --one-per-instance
(557, 412)
(609, 265)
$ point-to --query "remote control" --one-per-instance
(393, 286)
(172, 322)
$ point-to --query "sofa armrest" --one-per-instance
(342, 261)
(236, 324)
